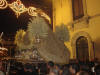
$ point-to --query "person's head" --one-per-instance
(85, 67)
(0, 64)
(74, 68)
(82, 73)
(97, 70)
(50, 64)
(28, 67)
(66, 71)
(57, 66)
(53, 71)
(19, 66)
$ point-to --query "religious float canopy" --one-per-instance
(47, 43)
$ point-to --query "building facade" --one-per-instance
(82, 18)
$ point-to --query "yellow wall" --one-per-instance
(62, 13)
(93, 9)
(93, 28)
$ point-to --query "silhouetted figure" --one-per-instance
(82, 73)
(97, 70)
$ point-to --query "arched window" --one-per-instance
(82, 49)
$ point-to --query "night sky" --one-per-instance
(9, 23)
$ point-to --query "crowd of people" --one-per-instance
(50, 68)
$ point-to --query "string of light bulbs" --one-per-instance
(19, 8)
(3, 4)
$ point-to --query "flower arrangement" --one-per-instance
(22, 40)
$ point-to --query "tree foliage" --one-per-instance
(62, 32)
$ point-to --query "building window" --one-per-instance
(82, 49)
(77, 6)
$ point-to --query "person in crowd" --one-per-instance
(66, 71)
(28, 69)
(20, 70)
(97, 70)
(1, 67)
(86, 67)
(42, 69)
(50, 65)
(82, 73)
(58, 68)
(74, 68)
(53, 71)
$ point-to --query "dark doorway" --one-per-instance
(82, 49)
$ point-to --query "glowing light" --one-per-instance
(1, 36)
(2, 48)
(32, 11)
(3, 4)
(46, 16)
(18, 7)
